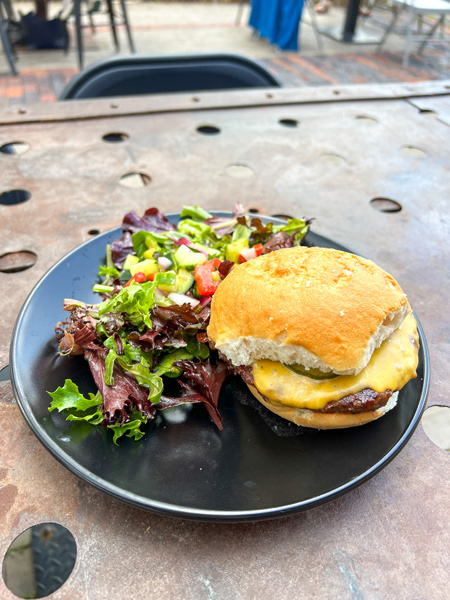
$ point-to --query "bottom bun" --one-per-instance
(318, 420)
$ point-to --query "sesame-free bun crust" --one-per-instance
(317, 420)
(317, 307)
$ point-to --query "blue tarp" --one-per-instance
(277, 20)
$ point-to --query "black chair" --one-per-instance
(142, 74)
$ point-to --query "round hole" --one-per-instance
(386, 205)
(447, 87)
(195, 99)
(15, 148)
(113, 105)
(365, 120)
(426, 112)
(288, 122)
(14, 197)
(113, 138)
(268, 95)
(208, 129)
(284, 217)
(5, 374)
(436, 424)
(412, 151)
(336, 92)
(239, 171)
(253, 211)
(21, 111)
(39, 561)
(14, 262)
(135, 180)
(332, 160)
(93, 231)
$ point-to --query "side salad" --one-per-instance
(156, 287)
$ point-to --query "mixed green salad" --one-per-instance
(150, 326)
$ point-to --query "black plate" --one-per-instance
(184, 466)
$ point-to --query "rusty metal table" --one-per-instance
(323, 152)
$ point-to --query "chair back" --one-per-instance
(144, 74)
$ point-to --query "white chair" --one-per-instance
(416, 9)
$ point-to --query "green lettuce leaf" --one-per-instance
(130, 429)
(197, 232)
(135, 300)
(69, 396)
(195, 212)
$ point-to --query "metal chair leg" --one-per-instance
(431, 33)
(7, 46)
(77, 13)
(239, 12)
(389, 29)
(113, 23)
(409, 34)
(127, 25)
(312, 16)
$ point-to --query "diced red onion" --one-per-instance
(181, 299)
(164, 263)
(248, 253)
(197, 247)
(183, 242)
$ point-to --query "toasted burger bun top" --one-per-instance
(317, 307)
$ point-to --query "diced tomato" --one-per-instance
(140, 277)
(258, 248)
(249, 253)
(203, 277)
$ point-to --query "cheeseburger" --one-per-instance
(323, 338)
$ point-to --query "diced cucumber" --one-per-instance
(211, 252)
(146, 266)
(131, 259)
(185, 257)
(180, 253)
(185, 279)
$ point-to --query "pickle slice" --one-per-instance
(311, 373)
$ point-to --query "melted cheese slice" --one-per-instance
(392, 365)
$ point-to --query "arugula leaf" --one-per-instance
(195, 212)
(135, 300)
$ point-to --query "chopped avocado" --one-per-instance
(146, 266)
(131, 259)
(185, 279)
(311, 373)
(235, 248)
